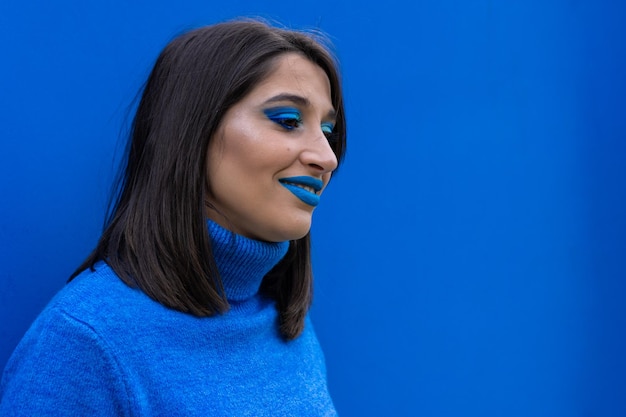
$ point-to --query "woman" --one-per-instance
(195, 300)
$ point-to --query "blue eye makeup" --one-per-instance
(327, 128)
(290, 118)
(287, 117)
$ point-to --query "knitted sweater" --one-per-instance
(101, 348)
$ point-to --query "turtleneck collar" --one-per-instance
(243, 262)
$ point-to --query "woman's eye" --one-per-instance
(288, 118)
(328, 128)
(289, 122)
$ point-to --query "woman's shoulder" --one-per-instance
(69, 346)
(98, 301)
(95, 294)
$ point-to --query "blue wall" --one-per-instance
(470, 255)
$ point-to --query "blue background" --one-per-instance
(469, 256)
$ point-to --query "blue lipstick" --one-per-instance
(294, 184)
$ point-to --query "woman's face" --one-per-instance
(270, 158)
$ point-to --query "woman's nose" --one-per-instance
(319, 155)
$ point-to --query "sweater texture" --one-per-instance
(101, 348)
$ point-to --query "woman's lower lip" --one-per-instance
(305, 196)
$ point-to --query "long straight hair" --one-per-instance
(155, 236)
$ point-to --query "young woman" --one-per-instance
(195, 300)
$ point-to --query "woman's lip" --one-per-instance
(296, 184)
(312, 182)
(305, 196)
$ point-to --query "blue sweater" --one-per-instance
(101, 348)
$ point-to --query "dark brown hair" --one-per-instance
(155, 236)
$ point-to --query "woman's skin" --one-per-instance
(271, 158)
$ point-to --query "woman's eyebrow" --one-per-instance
(296, 99)
(302, 101)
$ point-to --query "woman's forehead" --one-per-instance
(296, 77)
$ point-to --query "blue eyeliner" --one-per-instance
(284, 116)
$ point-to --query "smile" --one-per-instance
(305, 188)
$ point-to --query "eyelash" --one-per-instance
(331, 136)
(290, 119)
(287, 118)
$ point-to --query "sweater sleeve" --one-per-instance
(62, 367)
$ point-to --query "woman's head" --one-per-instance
(202, 74)
(189, 159)
(272, 153)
